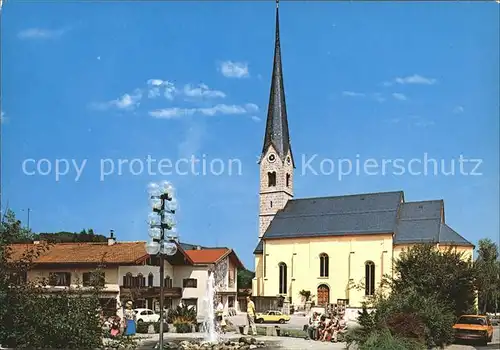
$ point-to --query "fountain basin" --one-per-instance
(237, 343)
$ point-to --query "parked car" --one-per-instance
(272, 317)
(474, 327)
(146, 315)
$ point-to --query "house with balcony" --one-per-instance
(126, 272)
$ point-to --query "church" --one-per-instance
(326, 245)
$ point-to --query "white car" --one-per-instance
(146, 315)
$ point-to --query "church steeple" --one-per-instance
(277, 133)
(276, 162)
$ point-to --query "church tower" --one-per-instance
(276, 160)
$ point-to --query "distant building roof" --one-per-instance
(82, 253)
(371, 213)
(213, 256)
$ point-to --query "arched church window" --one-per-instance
(369, 278)
(287, 180)
(323, 265)
(271, 179)
(282, 278)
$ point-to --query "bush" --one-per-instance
(182, 314)
(366, 328)
(384, 340)
(437, 319)
(143, 327)
(408, 326)
(183, 327)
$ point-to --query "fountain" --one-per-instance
(211, 334)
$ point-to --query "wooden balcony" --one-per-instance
(150, 292)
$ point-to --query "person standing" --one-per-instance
(129, 319)
(251, 316)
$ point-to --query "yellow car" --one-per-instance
(271, 317)
(474, 327)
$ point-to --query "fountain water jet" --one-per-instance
(211, 334)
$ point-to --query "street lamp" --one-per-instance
(161, 219)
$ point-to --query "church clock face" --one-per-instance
(271, 158)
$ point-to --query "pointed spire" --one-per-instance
(277, 133)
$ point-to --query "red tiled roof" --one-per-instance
(212, 255)
(207, 256)
(83, 253)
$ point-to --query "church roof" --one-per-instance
(277, 133)
(447, 235)
(372, 213)
(260, 247)
(361, 214)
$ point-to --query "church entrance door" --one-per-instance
(323, 294)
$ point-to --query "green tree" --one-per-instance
(31, 318)
(431, 273)
(487, 268)
(12, 229)
(245, 278)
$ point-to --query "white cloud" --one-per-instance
(399, 96)
(251, 107)
(231, 69)
(156, 85)
(256, 119)
(3, 118)
(412, 79)
(155, 82)
(220, 109)
(40, 33)
(125, 102)
(353, 94)
(202, 90)
(458, 110)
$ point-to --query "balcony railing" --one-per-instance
(149, 292)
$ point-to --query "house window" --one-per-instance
(60, 279)
(271, 204)
(128, 280)
(271, 179)
(18, 277)
(190, 283)
(231, 278)
(93, 279)
(323, 265)
(282, 278)
(151, 279)
(140, 281)
(168, 282)
(369, 278)
(287, 180)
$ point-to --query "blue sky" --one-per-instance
(124, 80)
